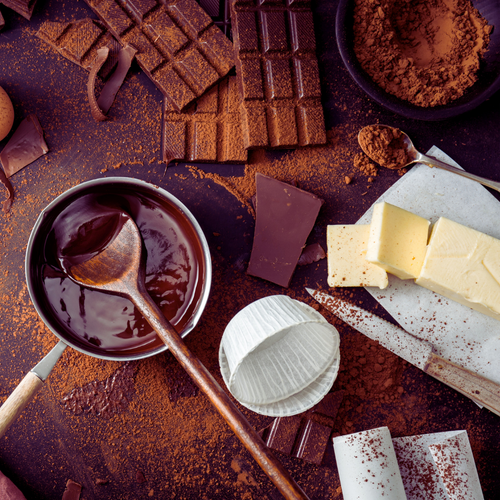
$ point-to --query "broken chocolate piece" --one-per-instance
(278, 75)
(285, 216)
(312, 442)
(311, 253)
(24, 147)
(282, 434)
(72, 491)
(208, 130)
(178, 45)
(79, 41)
(2, 22)
(23, 7)
(100, 107)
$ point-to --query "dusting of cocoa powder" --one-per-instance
(426, 52)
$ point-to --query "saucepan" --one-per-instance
(58, 301)
(178, 276)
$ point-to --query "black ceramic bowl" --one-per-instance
(488, 77)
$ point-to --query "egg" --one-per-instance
(6, 114)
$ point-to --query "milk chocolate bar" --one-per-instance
(285, 216)
(22, 7)
(208, 130)
(79, 42)
(278, 75)
(178, 45)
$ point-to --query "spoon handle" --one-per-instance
(206, 382)
(434, 162)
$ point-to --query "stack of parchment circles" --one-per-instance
(279, 357)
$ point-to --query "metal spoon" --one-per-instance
(416, 157)
(119, 269)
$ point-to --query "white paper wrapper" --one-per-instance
(279, 350)
(368, 467)
(437, 466)
(458, 333)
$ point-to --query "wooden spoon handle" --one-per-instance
(18, 400)
(205, 381)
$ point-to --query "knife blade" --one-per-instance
(414, 350)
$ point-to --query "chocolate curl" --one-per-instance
(102, 55)
(99, 107)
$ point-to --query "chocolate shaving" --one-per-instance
(99, 107)
(102, 55)
(108, 94)
(24, 147)
(5, 181)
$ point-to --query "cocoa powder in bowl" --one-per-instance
(425, 51)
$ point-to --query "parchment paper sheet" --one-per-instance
(439, 466)
(466, 337)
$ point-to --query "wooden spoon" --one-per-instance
(119, 269)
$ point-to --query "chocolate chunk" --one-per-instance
(139, 477)
(2, 22)
(285, 216)
(72, 491)
(208, 130)
(79, 41)
(282, 434)
(10, 191)
(278, 75)
(24, 147)
(23, 7)
(312, 442)
(311, 253)
(178, 45)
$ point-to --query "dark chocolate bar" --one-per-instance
(178, 45)
(208, 130)
(312, 442)
(23, 7)
(79, 42)
(282, 434)
(219, 11)
(285, 216)
(278, 75)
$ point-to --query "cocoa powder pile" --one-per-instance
(427, 52)
(385, 146)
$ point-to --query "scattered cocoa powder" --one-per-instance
(427, 52)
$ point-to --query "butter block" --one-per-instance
(347, 265)
(397, 241)
(463, 264)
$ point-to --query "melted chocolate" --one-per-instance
(174, 270)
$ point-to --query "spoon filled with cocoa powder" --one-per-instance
(392, 148)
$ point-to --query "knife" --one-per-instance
(414, 350)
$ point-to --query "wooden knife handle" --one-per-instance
(470, 384)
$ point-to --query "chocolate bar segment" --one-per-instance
(178, 45)
(218, 10)
(23, 7)
(285, 216)
(278, 75)
(208, 130)
(312, 442)
(79, 41)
